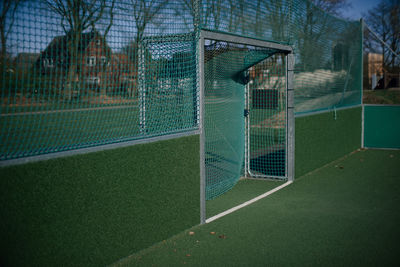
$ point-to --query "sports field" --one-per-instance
(343, 214)
(70, 127)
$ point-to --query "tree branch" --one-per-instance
(111, 19)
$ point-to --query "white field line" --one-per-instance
(247, 203)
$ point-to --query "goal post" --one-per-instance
(228, 66)
(290, 162)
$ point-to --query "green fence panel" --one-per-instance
(382, 126)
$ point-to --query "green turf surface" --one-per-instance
(244, 190)
(325, 137)
(93, 209)
(344, 214)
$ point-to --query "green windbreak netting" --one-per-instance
(327, 49)
(226, 75)
(75, 74)
(328, 68)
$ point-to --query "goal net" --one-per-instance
(228, 70)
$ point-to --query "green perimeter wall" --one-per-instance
(94, 209)
(321, 138)
(382, 126)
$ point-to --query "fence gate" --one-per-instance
(245, 87)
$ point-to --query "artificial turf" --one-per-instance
(312, 151)
(244, 190)
(343, 214)
(93, 209)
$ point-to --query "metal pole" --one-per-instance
(290, 116)
(247, 132)
(202, 133)
(142, 88)
(362, 80)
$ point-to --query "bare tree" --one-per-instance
(144, 13)
(316, 26)
(236, 19)
(187, 12)
(278, 17)
(333, 7)
(258, 26)
(213, 12)
(384, 20)
(77, 16)
(7, 17)
(216, 12)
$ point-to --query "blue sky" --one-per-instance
(359, 7)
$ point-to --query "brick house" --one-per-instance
(123, 74)
(94, 56)
(23, 62)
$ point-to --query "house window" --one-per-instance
(93, 80)
(103, 60)
(48, 63)
(91, 61)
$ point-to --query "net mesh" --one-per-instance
(327, 49)
(107, 77)
(78, 74)
(381, 64)
(226, 66)
(168, 87)
(266, 126)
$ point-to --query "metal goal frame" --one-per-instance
(290, 122)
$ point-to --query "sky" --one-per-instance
(359, 7)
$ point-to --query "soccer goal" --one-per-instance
(247, 117)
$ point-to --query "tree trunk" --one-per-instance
(103, 83)
(71, 83)
(70, 86)
(3, 52)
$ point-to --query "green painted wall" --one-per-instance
(94, 209)
(322, 138)
(382, 126)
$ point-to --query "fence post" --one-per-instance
(202, 133)
(142, 87)
(290, 116)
